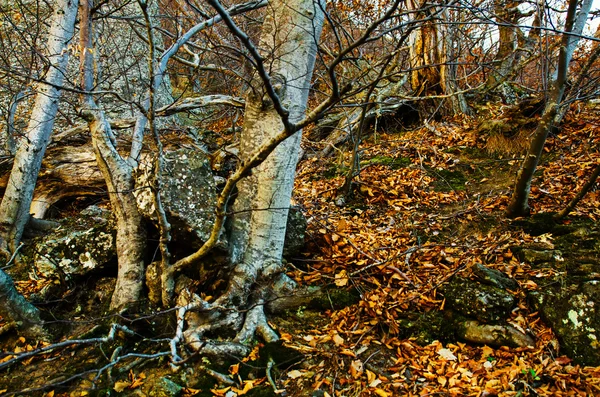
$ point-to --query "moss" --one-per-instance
(261, 391)
(484, 303)
(572, 314)
(333, 171)
(449, 180)
(335, 299)
(537, 224)
(429, 326)
(474, 152)
(394, 163)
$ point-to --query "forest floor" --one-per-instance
(428, 205)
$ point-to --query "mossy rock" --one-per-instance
(484, 303)
(428, 327)
(573, 313)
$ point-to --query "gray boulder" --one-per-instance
(76, 247)
(188, 192)
(573, 312)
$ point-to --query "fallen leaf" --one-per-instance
(356, 368)
(447, 354)
(338, 340)
(121, 385)
(341, 279)
(381, 393)
(293, 374)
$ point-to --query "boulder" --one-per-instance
(493, 335)
(573, 312)
(494, 277)
(188, 193)
(485, 303)
(77, 247)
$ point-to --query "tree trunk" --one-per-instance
(428, 56)
(574, 24)
(118, 174)
(506, 61)
(17, 310)
(14, 210)
(131, 235)
(290, 32)
(427, 53)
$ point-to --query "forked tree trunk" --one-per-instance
(131, 235)
(118, 174)
(14, 210)
(574, 25)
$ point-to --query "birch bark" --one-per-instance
(291, 32)
(14, 210)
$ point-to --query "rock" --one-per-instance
(495, 278)
(295, 232)
(493, 335)
(162, 387)
(535, 256)
(485, 303)
(188, 193)
(573, 312)
(77, 247)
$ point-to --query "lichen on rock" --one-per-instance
(188, 191)
(77, 247)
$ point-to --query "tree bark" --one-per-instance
(118, 174)
(131, 235)
(291, 30)
(427, 53)
(580, 195)
(289, 38)
(14, 210)
(574, 25)
(18, 311)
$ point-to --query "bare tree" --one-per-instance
(576, 18)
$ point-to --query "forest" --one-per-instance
(299, 198)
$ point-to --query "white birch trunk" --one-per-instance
(14, 210)
(291, 31)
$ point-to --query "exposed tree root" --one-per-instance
(240, 311)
